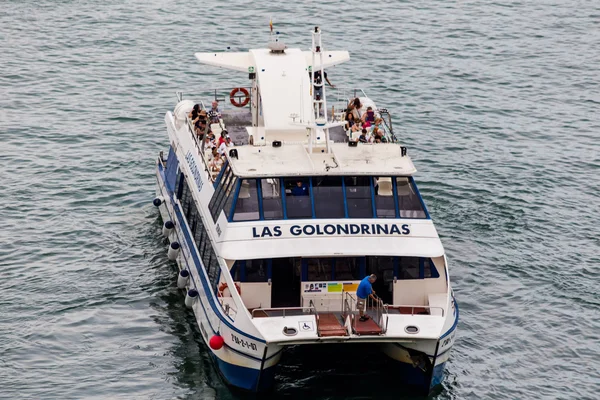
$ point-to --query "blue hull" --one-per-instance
(246, 378)
(418, 379)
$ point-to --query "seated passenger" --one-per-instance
(223, 147)
(363, 137)
(349, 120)
(193, 115)
(200, 127)
(378, 134)
(300, 189)
(214, 113)
(211, 154)
(369, 116)
(357, 127)
(216, 164)
(222, 137)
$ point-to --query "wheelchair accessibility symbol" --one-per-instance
(306, 326)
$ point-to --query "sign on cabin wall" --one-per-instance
(331, 230)
(329, 287)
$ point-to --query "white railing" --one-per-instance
(377, 305)
(282, 311)
(219, 94)
(349, 309)
(412, 307)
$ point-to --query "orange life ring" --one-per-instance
(234, 92)
(224, 286)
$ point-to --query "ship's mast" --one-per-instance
(319, 103)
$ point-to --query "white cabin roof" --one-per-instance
(294, 160)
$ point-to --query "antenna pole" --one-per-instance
(319, 102)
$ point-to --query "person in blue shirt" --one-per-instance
(300, 189)
(365, 290)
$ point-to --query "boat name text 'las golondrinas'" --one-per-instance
(332, 229)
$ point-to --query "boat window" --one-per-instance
(315, 197)
(328, 197)
(319, 269)
(199, 234)
(384, 198)
(347, 268)
(230, 195)
(429, 270)
(186, 200)
(256, 271)
(222, 190)
(271, 198)
(408, 267)
(297, 198)
(246, 206)
(333, 268)
(383, 267)
(409, 203)
(358, 196)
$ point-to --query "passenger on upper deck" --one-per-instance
(215, 165)
(369, 116)
(318, 80)
(224, 145)
(193, 115)
(357, 127)
(300, 189)
(200, 123)
(349, 119)
(214, 112)
(356, 108)
(363, 136)
(378, 134)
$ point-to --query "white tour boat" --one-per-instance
(272, 241)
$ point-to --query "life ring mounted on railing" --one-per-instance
(224, 286)
(234, 93)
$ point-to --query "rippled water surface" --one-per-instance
(497, 101)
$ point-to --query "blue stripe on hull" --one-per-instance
(246, 378)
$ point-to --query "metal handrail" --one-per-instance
(213, 93)
(377, 304)
(312, 305)
(349, 300)
(313, 310)
(412, 311)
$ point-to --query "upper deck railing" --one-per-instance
(339, 99)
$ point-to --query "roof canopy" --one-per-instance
(283, 82)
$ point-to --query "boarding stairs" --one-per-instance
(375, 325)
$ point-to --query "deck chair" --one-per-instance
(385, 186)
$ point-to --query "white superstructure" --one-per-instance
(273, 243)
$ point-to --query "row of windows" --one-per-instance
(199, 233)
(316, 197)
(336, 268)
